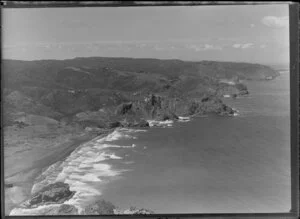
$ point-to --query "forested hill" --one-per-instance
(64, 88)
(47, 69)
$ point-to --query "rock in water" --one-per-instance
(55, 193)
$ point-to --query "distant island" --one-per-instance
(62, 103)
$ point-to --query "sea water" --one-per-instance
(215, 164)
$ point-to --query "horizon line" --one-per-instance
(127, 57)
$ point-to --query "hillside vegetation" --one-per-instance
(60, 89)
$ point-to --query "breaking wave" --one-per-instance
(40, 210)
(87, 169)
(90, 166)
(155, 123)
(184, 119)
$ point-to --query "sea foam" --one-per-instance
(116, 135)
(40, 210)
(184, 119)
(85, 169)
(167, 123)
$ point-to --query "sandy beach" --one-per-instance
(22, 166)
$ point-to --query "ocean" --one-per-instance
(208, 164)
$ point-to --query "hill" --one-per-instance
(63, 88)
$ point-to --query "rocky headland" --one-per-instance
(50, 199)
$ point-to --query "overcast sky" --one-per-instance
(252, 33)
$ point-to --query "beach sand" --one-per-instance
(27, 155)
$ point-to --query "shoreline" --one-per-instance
(110, 135)
(19, 190)
(65, 149)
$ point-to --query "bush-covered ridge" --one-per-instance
(98, 67)
(61, 89)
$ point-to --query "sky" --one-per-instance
(244, 33)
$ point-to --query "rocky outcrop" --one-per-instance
(99, 207)
(225, 110)
(123, 108)
(114, 124)
(55, 209)
(133, 211)
(55, 193)
(155, 107)
(168, 116)
(230, 90)
(134, 123)
(243, 90)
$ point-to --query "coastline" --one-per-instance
(64, 152)
(19, 184)
(66, 149)
(89, 149)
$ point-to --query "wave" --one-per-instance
(129, 162)
(116, 135)
(102, 146)
(153, 123)
(184, 119)
(132, 130)
(236, 112)
(40, 210)
(85, 169)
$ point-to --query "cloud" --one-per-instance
(247, 45)
(203, 47)
(262, 46)
(158, 48)
(211, 47)
(252, 25)
(141, 45)
(242, 46)
(236, 45)
(276, 22)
